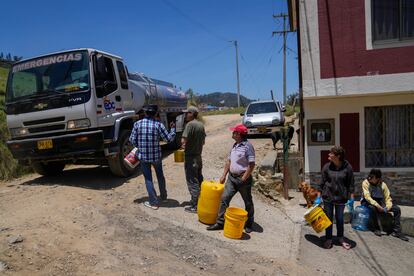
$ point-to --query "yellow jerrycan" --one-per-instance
(179, 156)
(209, 201)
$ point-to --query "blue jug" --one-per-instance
(360, 218)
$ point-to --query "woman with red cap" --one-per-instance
(239, 166)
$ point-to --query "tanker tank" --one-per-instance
(161, 93)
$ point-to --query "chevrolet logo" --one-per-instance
(40, 106)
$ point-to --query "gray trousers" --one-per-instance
(193, 166)
(234, 185)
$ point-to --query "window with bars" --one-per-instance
(392, 20)
(389, 136)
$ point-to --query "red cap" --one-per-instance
(240, 129)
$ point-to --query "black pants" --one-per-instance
(339, 217)
(234, 185)
(397, 217)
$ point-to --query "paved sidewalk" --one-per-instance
(370, 255)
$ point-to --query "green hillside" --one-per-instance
(3, 78)
(8, 166)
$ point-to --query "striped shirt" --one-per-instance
(146, 136)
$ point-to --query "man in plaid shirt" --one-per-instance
(146, 136)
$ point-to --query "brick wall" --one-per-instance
(400, 184)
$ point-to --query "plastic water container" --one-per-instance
(209, 201)
(234, 220)
(179, 156)
(360, 218)
(316, 217)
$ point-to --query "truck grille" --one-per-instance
(44, 121)
(46, 128)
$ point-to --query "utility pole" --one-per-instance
(237, 71)
(284, 33)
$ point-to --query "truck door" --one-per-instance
(125, 97)
(108, 91)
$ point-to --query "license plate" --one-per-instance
(45, 144)
(261, 129)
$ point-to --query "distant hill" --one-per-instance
(222, 99)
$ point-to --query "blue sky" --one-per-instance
(181, 41)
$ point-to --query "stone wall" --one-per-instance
(400, 184)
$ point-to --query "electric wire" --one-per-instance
(198, 62)
(195, 22)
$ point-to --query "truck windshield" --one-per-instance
(259, 108)
(56, 74)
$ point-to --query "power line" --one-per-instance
(182, 69)
(195, 22)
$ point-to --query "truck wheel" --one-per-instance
(48, 168)
(116, 163)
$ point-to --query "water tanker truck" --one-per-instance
(79, 107)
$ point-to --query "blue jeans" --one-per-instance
(339, 217)
(146, 170)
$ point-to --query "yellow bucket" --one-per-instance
(235, 218)
(179, 156)
(209, 201)
(317, 218)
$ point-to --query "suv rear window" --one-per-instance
(259, 108)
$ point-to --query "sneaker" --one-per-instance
(399, 235)
(248, 229)
(149, 205)
(191, 209)
(378, 233)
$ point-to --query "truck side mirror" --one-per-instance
(241, 114)
(283, 108)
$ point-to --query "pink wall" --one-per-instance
(343, 47)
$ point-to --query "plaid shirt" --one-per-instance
(146, 136)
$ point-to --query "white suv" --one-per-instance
(263, 117)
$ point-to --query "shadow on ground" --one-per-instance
(168, 203)
(96, 178)
(318, 241)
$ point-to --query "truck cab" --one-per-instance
(75, 106)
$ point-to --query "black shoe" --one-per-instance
(399, 235)
(191, 209)
(215, 227)
(378, 233)
(248, 229)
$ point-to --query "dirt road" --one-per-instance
(87, 222)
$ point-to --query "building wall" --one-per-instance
(337, 60)
(331, 108)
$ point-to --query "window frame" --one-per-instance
(385, 43)
(122, 74)
(384, 128)
(113, 81)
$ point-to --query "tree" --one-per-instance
(17, 58)
(291, 98)
(191, 98)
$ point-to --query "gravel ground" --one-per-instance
(87, 222)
